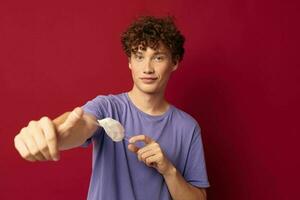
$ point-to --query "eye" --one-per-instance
(159, 58)
(138, 57)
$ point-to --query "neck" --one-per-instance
(150, 103)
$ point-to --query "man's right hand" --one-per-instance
(39, 141)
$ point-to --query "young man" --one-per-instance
(169, 164)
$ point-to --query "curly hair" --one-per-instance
(149, 31)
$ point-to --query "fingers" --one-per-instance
(50, 138)
(148, 147)
(141, 138)
(148, 150)
(31, 146)
(138, 138)
(37, 141)
(151, 154)
(22, 149)
(143, 156)
(133, 148)
(72, 119)
(153, 160)
(151, 150)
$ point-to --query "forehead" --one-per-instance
(160, 49)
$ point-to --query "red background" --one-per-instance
(239, 79)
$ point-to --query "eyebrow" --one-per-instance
(161, 52)
(156, 53)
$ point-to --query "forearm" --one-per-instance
(180, 189)
(74, 136)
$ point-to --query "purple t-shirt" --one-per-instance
(117, 174)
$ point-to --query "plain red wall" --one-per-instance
(239, 79)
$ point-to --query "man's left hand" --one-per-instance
(151, 154)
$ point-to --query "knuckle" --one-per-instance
(32, 123)
(23, 130)
(44, 119)
(17, 138)
(17, 143)
(23, 134)
(34, 129)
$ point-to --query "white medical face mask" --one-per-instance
(113, 129)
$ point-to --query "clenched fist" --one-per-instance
(40, 140)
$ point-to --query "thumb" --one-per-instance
(72, 119)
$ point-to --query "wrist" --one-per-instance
(170, 172)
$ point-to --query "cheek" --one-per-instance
(165, 73)
(135, 72)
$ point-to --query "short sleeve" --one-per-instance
(98, 108)
(195, 167)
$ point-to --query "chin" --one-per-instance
(148, 89)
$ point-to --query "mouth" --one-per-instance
(148, 79)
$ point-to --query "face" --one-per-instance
(151, 69)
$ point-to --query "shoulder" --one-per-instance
(109, 99)
(103, 105)
(116, 98)
(184, 119)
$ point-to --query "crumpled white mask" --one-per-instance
(113, 129)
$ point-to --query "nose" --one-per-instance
(148, 68)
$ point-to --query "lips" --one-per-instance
(148, 79)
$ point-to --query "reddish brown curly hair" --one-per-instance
(148, 31)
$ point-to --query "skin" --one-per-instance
(42, 140)
(148, 96)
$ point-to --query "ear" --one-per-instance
(175, 66)
(129, 62)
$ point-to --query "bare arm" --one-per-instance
(71, 134)
(180, 189)
(43, 139)
(153, 156)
